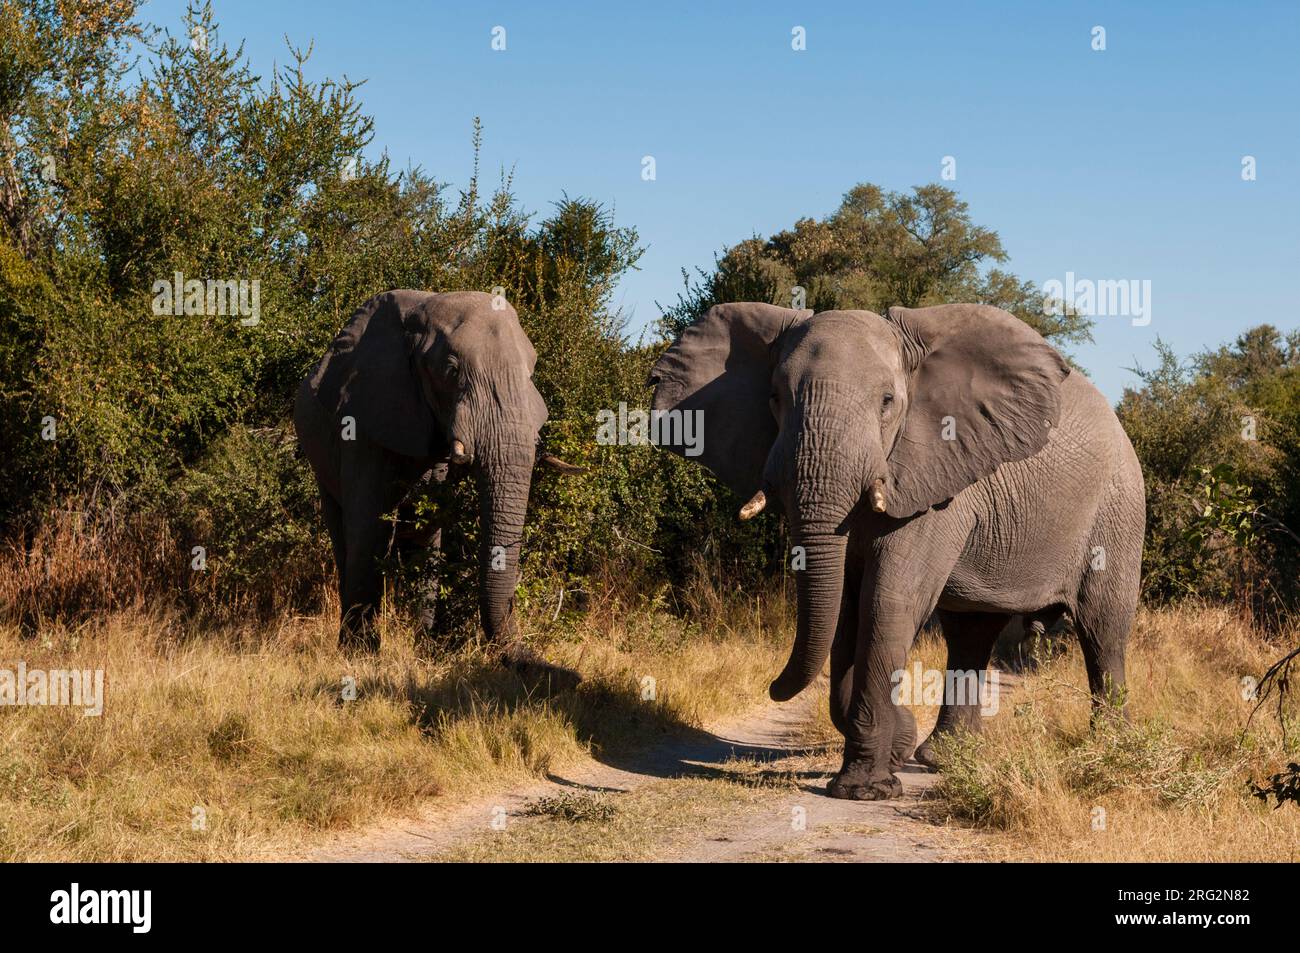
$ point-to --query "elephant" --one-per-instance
(418, 386)
(937, 458)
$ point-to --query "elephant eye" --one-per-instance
(886, 401)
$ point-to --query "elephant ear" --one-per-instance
(368, 375)
(722, 367)
(984, 390)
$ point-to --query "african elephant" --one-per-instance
(418, 386)
(942, 457)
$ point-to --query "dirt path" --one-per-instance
(744, 790)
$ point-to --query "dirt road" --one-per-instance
(747, 790)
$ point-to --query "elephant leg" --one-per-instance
(867, 773)
(369, 493)
(895, 602)
(332, 514)
(1103, 626)
(367, 542)
(970, 637)
(842, 651)
(426, 587)
(431, 613)
(842, 692)
(904, 738)
(1108, 597)
(429, 587)
(421, 545)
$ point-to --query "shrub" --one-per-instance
(252, 507)
(1217, 439)
(193, 165)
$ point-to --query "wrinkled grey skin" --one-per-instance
(415, 372)
(1005, 518)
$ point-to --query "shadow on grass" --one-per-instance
(621, 730)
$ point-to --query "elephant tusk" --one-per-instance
(876, 495)
(754, 506)
(555, 463)
(458, 454)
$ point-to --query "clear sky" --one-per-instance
(1119, 164)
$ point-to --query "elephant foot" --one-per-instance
(856, 781)
(851, 789)
(925, 755)
(536, 671)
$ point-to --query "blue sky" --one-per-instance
(1122, 164)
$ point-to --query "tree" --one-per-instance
(1219, 438)
(876, 250)
(191, 164)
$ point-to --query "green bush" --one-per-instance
(193, 165)
(252, 507)
(116, 411)
(1218, 439)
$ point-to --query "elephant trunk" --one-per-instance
(824, 482)
(503, 482)
(819, 587)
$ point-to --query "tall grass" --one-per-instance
(1167, 783)
(246, 740)
(86, 557)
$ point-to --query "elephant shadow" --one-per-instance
(693, 753)
(687, 751)
(622, 731)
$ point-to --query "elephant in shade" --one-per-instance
(424, 386)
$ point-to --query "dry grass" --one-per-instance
(236, 741)
(247, 729)
(83, 559)
(653, 822)
(1171, 781)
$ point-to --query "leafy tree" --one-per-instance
(117, 175)
(1218, 439)
(876, 250)
(113, 180)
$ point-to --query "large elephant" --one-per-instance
(941, 457)
(418, 386)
